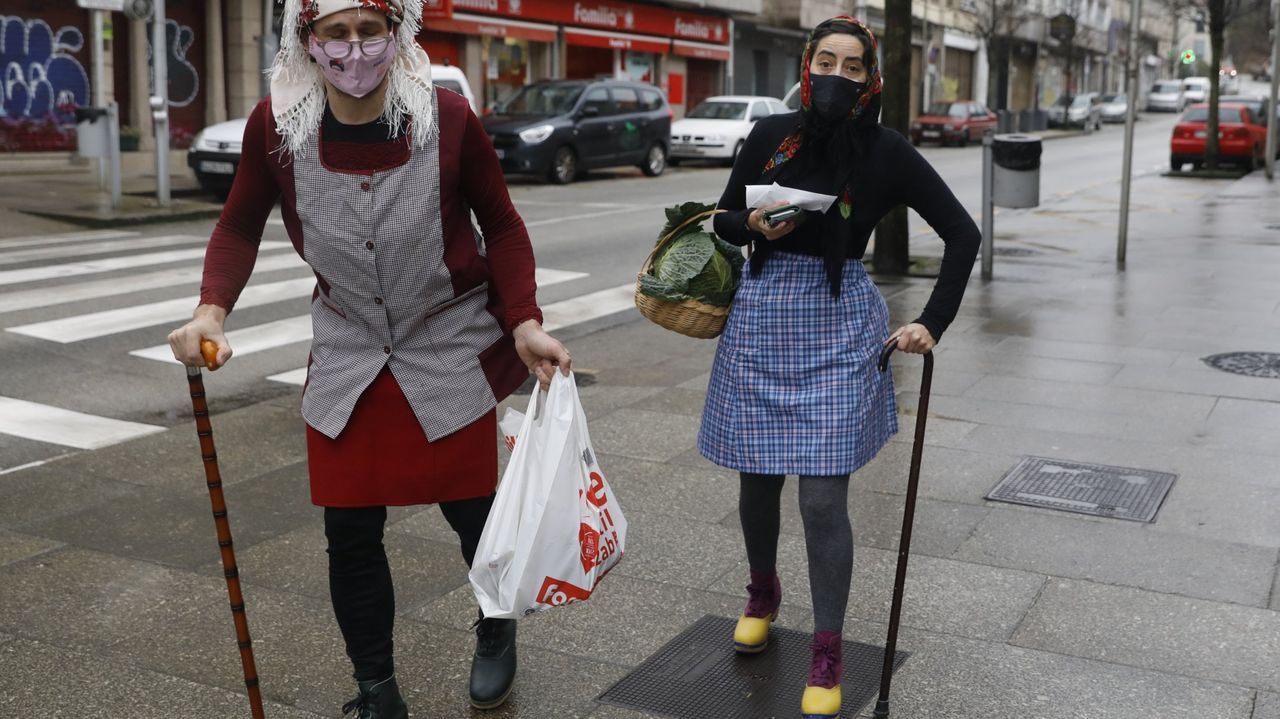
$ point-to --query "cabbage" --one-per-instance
(696, 265)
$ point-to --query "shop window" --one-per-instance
(625, 100)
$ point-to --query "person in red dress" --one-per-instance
(420, 325)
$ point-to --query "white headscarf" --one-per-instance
(298, 89)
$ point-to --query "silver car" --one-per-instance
(1083, 111)
(1166, 96)
(1115, 107)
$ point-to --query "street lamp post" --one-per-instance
(1275, 89)
(1131, 111)
(160, 100)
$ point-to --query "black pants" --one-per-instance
(364, 601)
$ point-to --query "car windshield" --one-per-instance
(543, 100)
(1165, 87)
(953, 109)
(1113, 98)
(1079, 101)
(1064, 101)
(1201, 114)
(719, 110)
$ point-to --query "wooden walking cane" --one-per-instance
(908, 519)
(213, 479)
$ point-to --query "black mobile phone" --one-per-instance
(778, 215)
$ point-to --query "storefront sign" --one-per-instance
(437, 10)
(700, 51)
(112, 5)
(609, 15)
(464, 24)
(617, 41)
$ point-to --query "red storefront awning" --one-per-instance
(616, 40)
(463, 24)
(701, 50)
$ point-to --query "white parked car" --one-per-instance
(718, 127)
(214, 156)
(452, 78)
(1196, 89)
(1166, 96)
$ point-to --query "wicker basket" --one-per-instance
(689, 317)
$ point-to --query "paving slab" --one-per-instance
(1087, 351)
(49, 491)
(1197, 381)
(81, 599)
(675, 400)
(1266, 706)
(1246, 514)
(47, 681)
(952, 475)
(177, 528)
(941, 595)
(1275, 591)
(956, 678)
(643, 434)
(673, 550)
(939, 432)
(1163, 632)
(625, 620)
(15, 547)
(1077, 396)
(296, 562)
(1127, 553)
(692, 493)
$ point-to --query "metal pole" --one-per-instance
(160, 100)
(113, 150)
(988, 204)
(99, 96)
(1272, 120)
(1131, 79)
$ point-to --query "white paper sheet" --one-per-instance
(765, 195)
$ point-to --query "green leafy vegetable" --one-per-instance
(695, 265)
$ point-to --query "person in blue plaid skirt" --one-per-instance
(795, 389)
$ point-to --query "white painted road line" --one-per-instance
(589, 307)
(110, 264)
(96, 289)
(249, 340)
(43, 423)
(546, 277)
(58, 252)
(558, 315)
(11, 242)
(125, 319)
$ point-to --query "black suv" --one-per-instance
(559, 128)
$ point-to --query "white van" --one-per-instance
(1196, 89)
(452, 78)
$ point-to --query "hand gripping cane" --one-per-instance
(908, 518)
(213, 479)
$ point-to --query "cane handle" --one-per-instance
(209, 349)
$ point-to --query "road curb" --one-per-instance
(102, 221)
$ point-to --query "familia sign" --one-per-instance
(620, 16)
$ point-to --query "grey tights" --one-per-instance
(828, 537)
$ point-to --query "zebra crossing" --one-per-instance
(53, 289)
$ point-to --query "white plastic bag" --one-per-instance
(555, 528)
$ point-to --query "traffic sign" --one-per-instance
(111, 5)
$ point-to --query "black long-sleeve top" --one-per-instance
(892, 173)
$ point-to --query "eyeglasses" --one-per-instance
(341, 49)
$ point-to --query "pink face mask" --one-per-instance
(356, 74)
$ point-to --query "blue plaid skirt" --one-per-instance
(795, 388)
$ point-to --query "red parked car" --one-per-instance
(959, 121)
(1241, 139)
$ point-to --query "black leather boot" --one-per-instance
(378, 699)
(493, 667)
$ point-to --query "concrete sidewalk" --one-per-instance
(114, 602)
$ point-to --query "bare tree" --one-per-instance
(891, 254)
(995, 21)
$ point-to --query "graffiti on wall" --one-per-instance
(184, 80)
(41, 78)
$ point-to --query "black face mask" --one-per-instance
(832, 97)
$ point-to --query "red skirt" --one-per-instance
(382, 457)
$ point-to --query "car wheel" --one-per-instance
(564, 168)
(964, 139)
(1175, 165)
(655, 161)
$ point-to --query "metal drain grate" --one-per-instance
(1249, 364)
(1097, 489)
(698, 675)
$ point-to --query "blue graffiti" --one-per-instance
(40, 77)
(184, 81)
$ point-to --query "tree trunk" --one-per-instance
(1217, 21)
(891, 252)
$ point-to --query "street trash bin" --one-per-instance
(1016, 177)
(93, 132)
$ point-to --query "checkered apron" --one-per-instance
(378, 243)
(795, 388)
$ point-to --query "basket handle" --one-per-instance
(701, 216)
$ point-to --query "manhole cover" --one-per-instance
(581, 379)
(698, 675)
(1097, 489)
(1249, 364)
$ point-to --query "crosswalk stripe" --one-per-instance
(249, 340)
(43, 423)
(546, 277)
(38, 254)
(97, 289)
(556, 316)
(11, 242)
(124, 319)
(89, 267)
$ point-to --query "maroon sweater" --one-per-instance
(471, 180)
